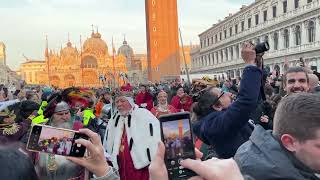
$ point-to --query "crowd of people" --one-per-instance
(263, 126)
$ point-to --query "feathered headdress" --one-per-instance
(75, 97)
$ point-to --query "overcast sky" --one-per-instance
(25, 23)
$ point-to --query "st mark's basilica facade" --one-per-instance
(89, 66)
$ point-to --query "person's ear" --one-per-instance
(217, 107)
(289, 142)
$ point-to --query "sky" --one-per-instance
(24, 24)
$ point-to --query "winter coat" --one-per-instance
(263, 158)
(227, 130)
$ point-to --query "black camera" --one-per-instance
(262, 47)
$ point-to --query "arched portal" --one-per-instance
(69, 80)
(89, 62)
(55, 81)
(90, 78)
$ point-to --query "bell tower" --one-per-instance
(162, 39)
(2, 54)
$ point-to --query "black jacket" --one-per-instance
(263, 158)
(264, 108)
(227, 130)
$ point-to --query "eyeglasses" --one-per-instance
(215, 102)
(202, 92)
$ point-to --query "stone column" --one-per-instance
(214, 60)
(281, 68)
(229, 54)
(239, 51)
(226, 55)
(234, 52)
(197, 62)
(304, 33)
(271, 67)
(281, 39)
(291, 36)
(271, 41)
(317, 21)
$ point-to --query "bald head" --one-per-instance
(313, 81)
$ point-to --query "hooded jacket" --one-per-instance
(263, 158)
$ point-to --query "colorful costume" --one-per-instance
(182, 103)
(160, 110)
(55, 167)
(132, 142)
(144, 100)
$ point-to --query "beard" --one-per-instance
(64, 125)
(124, 113)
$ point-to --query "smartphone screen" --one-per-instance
(57, 141)
(177, 137)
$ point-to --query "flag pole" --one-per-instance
(184, 58)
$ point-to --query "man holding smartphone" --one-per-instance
(57, 167)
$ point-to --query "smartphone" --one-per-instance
(176, 134)
(59, 141)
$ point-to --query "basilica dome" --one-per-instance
(125, 50)
(96, 45)
(69, 50)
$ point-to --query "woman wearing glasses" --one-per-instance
(223, 123)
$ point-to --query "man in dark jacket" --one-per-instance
(292, 150)
(227, 127)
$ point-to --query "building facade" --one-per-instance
(3, 65)
(31, 70)
(291, 27)
(7, 76)
(187, 56)
(89, 66)
(134, 62)
(162, 39)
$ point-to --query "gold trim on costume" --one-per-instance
(11, 129)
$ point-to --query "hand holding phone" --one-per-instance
(157, 168)
(176, 134)
(95, 162)
(47, 139)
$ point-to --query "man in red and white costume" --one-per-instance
(131, 138)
